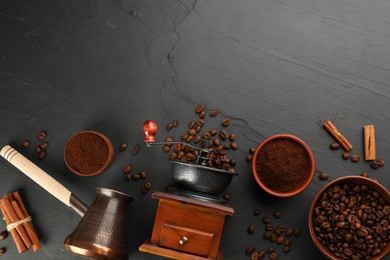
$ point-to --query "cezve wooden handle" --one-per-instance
(37, 174)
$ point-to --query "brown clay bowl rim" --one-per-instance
(277, 193)
(346, 179)
(110, 156)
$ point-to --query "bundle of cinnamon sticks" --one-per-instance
(19, 222)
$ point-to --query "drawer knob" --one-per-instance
(183, 241)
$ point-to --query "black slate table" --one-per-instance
(269, 66)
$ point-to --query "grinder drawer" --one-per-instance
(186, 239)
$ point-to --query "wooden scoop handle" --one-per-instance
(36, 174)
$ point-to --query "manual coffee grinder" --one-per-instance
(190, 216)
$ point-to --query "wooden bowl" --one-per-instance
(88, 153)
(280, 188)
(359, 180)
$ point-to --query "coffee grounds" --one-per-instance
(87, 153)
(283, 165)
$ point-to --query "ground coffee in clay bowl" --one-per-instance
(283, 165)
(88, 153)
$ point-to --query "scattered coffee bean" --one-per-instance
(276, 214)
(192, 132)
(297, 232)
(213, 113)
(248, 158)
(280, 240)
(213, 132)
(3, 235)
(345, 155)
(42, 155)
(122, 147)
(42, 135)
(197, 139)
(286, 249)
(225, 122)
(249, 250)
(206, 135)
(200, 108)
(2, 251)
(44, 145)
(202, 114)
(135, 150)
(226, 197)
(189, 138)
(143, 175)
(381, 162)
(377, 163)
(255, 255)
(289, 232)
(135, 176)
(252, 150)
(223, 135)
(127, 177)
(200, 122)
(232, 162)
(169, 126)
(323, 176)
(261, 254)
(232, 137)
(233, 145)
(251, 229)
(191, 125)
(273, 256)
(256, 212)
(270, 250)
(365, 174)
(127, 168)
(144, 190)
(355, 158)
(288, 243)
(148, 185)
(334, 146)
(166, 148)
(38, 149)
(26, 143)
(266, 220)
(176, 123)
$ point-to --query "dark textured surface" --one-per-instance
(270, 66)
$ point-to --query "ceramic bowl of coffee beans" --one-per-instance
(349, 218)
(88, 153)
(283, 165)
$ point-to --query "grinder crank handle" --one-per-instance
(43, 179)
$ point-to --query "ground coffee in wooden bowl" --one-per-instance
(283, 165)
(88, 153)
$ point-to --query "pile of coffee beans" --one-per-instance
(219, 141)
(41, 148)
(352, 221)
(279, 235)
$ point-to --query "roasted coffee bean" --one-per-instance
(223, 135)
(202, 114)
(197, 139)
(26, 143)
(276, 214)
(168, 139)
(381, 162)
(173, 156)
(199, 108)
(233, 145)
(297, 232)
(249, 250)
(176, 123)
(225, 122)
(255, 255)
(280, 240)
(286, 249)
(169, 126)
(42, 155)
(288, 243)
(252, 150)
(365, 174)
(127, 168)
(2, 251)
(267, 234)
(148, 185)
(144, 190)
(200, 122)
(135, 150)
(143, 175)
(38, 149)
(270, 250)
(374, 165)
(135, 176)
(232, 162)
(289, 232)
(42, 135)
(127, 177)
(256, 212)
(122, 147)
(206, 135)
(323, 176)
(192, 132)
(232, 137)
(3, 235)
(251, 229)
(197, 129)
(345, 155)
(273, 256)
(189, 138)
(213, 132)
(334, 146)
(213, 113)
(191, 125)
(183, 136)
(216, 142)
(166, 148)
(355, 158)
(261, 254)
(266, 220)
(248, 158)
(226, 197)
(44, 145)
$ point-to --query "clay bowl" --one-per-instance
(302, 150)
(353, 180)
(88, 153)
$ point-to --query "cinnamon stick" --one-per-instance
(29, 226)
(369, 142)
(14, 218)
(15, 235)
(333, 131)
